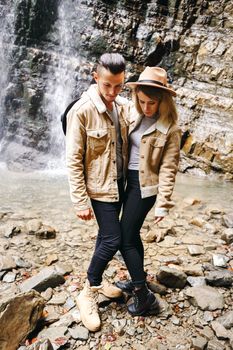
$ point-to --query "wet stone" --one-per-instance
(11, 230)
(130, 330)
(52, 333)
(193, 270)
(175, 320)
(208, 316)
(215, 345)
(220, 331)
(51, 259)
(199, 343)
(47, 277)
(63, 269)
(171, 260)
(195, 250)
(196, 281)
(21, 262)
(228, 220)
(33, 225)
(197, 222)
(220, 260)
(226, 319)
(9, 277)
(76, 315)
(207, 333)
(69, 304)
(79, 332)
(171, 277)
(227, 235)
(7, 263)
(58, 299)
(44, 344)
(206, 298)
(65, 320)
(220, 278)
(46, 232)
(157, 288)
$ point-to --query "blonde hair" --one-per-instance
(167, 108)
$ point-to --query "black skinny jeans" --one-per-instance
(109, 235)
(135, 210)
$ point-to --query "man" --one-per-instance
(96, 140)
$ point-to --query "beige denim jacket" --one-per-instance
(159, 157)
(91, 149)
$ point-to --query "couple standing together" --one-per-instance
(111, 142)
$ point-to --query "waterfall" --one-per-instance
(63, 85)
(6, 45)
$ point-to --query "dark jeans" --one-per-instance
(109, 235)
(135, 210)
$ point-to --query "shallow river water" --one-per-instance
(47, 193)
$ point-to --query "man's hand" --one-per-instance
(158, 219)
(86, 214)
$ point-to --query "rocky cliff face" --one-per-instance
(54, 45)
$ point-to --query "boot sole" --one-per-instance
(153, 310)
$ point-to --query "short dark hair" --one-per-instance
(114, 62)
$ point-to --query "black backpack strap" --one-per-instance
(64, 115)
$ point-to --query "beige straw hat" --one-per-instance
(153, 76)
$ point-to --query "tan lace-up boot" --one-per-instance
(109, 290)
(87, 302)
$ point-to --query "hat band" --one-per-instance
(151, 81)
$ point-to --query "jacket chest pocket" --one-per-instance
(157, 142)
(97, 140)
(156, 150)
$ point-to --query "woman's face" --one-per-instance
(149, 106)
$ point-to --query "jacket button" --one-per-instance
(142, 171)
(113, 142)
(142, 157)
(143, 185)
(114, 179)
(111, 123)
(144, 141)
(114, 162)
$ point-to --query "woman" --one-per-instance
(154, 143)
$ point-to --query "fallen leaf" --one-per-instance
(34, 340)
(60, 341)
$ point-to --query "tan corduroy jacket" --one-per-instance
(158, 164)
(91, 149)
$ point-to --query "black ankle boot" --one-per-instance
(144, 303)
(126, 286)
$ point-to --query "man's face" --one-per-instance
(109, 85)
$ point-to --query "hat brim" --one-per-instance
(136, 83)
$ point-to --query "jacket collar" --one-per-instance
(93, 94)
(159, 125)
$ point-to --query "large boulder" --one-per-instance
(18, 317)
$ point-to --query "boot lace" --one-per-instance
(93, 301)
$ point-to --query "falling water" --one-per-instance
(63, 83)
(6, 44)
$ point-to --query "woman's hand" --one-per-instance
(158, 219)
(86, 214)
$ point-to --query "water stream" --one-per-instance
(7, 18)
(47, 193)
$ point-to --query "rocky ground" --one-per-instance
(189, 258)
